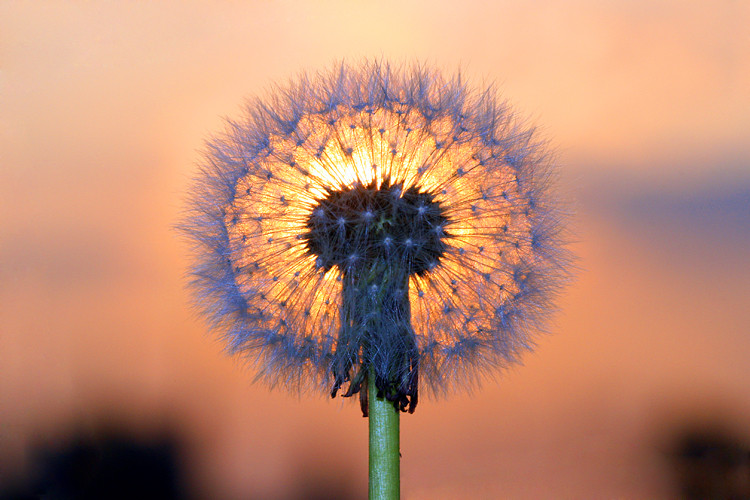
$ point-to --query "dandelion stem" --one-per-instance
(385, 480)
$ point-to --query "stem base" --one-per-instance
(385, 480)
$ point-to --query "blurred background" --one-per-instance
(643, 391)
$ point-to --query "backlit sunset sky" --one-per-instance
(104, 107)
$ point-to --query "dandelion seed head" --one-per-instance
(377, 222)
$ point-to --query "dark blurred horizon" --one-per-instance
(104, 110)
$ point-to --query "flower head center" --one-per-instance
(384, 223)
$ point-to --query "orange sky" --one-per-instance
(102, 110)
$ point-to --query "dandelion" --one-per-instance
(377, 227)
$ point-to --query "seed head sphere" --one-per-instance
(377, 222)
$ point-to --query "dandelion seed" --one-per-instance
(377, 222)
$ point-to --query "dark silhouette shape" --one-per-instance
(711, 463)
(110, 466)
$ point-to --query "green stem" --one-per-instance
(385, 480)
